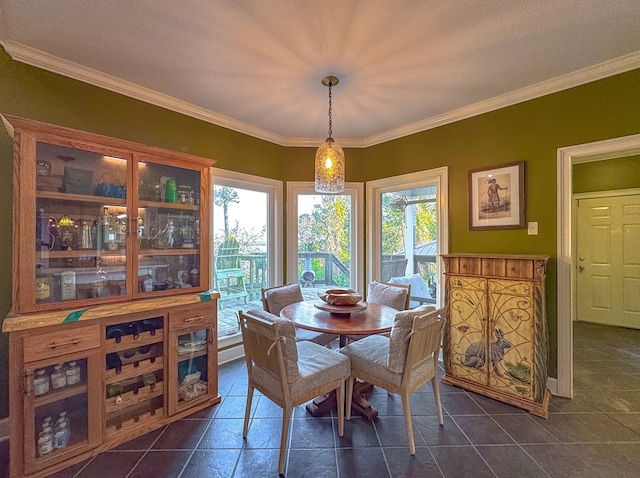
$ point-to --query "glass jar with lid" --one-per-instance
(58, 377)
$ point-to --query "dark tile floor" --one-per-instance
(597, 434)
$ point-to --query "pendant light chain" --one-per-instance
(330, 131)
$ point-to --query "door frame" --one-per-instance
(566, 158)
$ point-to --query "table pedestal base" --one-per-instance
(359, 406)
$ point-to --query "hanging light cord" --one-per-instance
(330, 131)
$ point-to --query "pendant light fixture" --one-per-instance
(329, 156)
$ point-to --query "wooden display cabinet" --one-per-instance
(495, 340)
(125, 373)
(99, 219)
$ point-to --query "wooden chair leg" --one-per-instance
(247, 411)
(340, 399)
(407, 420)
(286, 419)
(436, 395)
(349, 395)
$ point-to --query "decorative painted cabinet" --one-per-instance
(495, 340)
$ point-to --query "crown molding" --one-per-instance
(48, 62)
(580, 77)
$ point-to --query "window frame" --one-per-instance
(432, 177)
(353, 189)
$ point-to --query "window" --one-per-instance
(324, 237)
(246, 242)
(407, 218)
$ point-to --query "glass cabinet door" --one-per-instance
(81, 226)
(58, 410)
(168, 228)
(194, 373)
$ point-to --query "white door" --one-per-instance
(608, 260)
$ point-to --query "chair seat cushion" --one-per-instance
(370, 355)
(317, 365)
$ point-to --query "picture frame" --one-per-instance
(496, 197)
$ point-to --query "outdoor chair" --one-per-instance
(274, 299)
(401, 363)
(287, 372)
(419, 291)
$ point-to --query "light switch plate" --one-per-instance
(532, 228)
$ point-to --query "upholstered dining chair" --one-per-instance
(396, 296)
(392, 295)
(401, 363)
(274, 299)
(287, 372)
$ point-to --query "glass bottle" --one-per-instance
(73, 373)
(41, 383)
(121, 232)
(58, 377)
(103, 232)
(45, 441)
(43, 238)
(187, 235)
(42, 285)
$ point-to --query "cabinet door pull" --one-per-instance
(54, 345)
(193, 319)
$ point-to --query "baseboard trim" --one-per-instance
(552, 385)
(4, 429)
(230, 353)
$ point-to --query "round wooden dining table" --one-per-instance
(361, 319)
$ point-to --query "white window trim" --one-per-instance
(274, 190)
(356, 191)
(437, 176)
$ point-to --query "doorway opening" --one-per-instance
(566, 266)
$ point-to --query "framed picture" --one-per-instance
(496, 197)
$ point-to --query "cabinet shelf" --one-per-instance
(130, 399)
(131, 371)
(169, 205)
(191, 355)
(59, 395)
(81, 198)
(130, 342)
(169, 252)
(128, 422)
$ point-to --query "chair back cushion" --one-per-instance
(387, 294)
(399, 338)
(287, 331)
(418, 288)
(277, 298)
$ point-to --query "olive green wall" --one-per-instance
(619, 173)
(530, 131)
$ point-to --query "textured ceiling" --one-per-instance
(255, 65)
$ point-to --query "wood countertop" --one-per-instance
(22, 322)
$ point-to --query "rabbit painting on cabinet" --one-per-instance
(475, 355)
